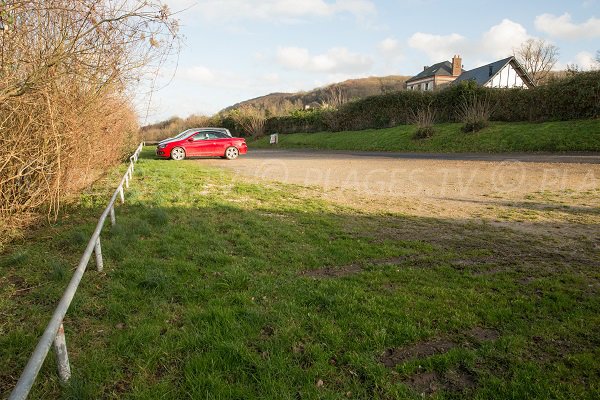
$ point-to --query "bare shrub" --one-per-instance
(173, 126)
(65, 112)
(474, 111)
(250, 119)
(424, 119)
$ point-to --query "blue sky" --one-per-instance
(238, 49)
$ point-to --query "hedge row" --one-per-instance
(574, 97)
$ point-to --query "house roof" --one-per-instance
(486, 73)
(439, 69)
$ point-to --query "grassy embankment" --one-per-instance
(582, 135)
(217, 288)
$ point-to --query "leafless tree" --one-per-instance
(334, 97)
(538, 57)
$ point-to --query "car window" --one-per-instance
(201, 136)
(216, 135)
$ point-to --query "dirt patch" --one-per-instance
(395, 356)
(428, 383)
(526, 280)
(483, 335)
(17, 281)
(392, 357)
(266, 332)
(334, 272)
(425, 383)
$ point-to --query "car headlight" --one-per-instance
(162, 146)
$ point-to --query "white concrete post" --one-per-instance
(98, 252)
(62, 357)
(113, 219)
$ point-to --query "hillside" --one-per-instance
(352, 89)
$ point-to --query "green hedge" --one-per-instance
(574, 97)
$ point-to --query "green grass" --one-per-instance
(205, 294)
(582, 135)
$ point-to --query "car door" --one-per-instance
(197, 144)
(219, 142)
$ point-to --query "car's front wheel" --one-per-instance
(232, 153)
(178, 153)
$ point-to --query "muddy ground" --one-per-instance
(525, 192)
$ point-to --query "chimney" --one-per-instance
(491, 69)
(456, 65)
(425, 67)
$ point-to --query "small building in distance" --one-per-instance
(505, 73)
(436, 76)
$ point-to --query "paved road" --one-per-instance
(578, 158)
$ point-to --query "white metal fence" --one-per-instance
(54, 333)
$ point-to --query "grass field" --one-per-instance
(217, 288)
(583, 135)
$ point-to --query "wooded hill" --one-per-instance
(352, 89)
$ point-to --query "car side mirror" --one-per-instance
(190, 139)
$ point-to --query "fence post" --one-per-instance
(127, 179)
(98, 252)
(62, 357)
(113, 219)
(121, 194)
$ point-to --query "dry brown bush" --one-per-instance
(250, 119)
(475, 111)
(424, 120)
(65, 114)
(173, 126)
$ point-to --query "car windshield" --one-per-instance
(183, 134)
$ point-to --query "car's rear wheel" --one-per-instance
(178, 153)
(232, 153)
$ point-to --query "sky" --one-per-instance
(234, 50)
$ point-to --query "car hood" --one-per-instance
(169, 140)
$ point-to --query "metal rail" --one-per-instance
(54, 332)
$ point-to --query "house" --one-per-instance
(440, 74)
(505, 73)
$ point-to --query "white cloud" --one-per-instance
(501, 39)
(586, 60)
(286, 10)
(389, 46)
(497, 42)
(196, 74)
(563, 26)
(439, 47)
(336, 60)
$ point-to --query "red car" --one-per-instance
(202, 142)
